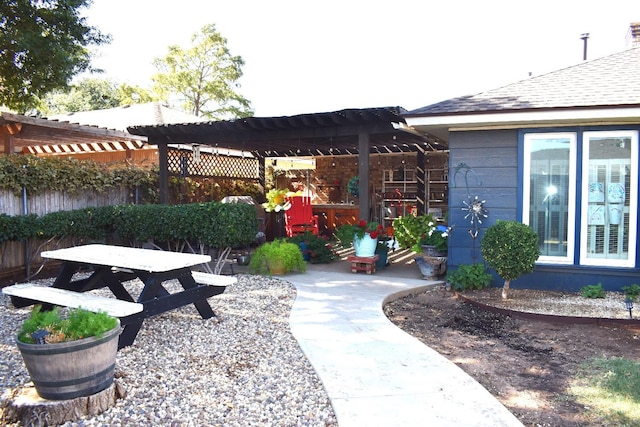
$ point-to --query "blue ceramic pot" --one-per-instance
(366, 246)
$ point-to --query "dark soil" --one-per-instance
(527, 364)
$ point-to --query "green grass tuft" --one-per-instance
(610, 390)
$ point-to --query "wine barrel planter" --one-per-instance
(67, 370)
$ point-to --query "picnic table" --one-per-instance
(112, 267)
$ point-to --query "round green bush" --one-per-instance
(511, 249)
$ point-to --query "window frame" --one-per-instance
(528, 139)
(632, 192)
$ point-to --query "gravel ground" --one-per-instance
(242, 368)
(555, 303)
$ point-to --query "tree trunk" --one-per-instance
(505, 289)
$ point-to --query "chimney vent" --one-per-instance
(634, 34)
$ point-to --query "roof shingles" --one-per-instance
(609, 81)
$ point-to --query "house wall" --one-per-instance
(492, 175)
(481, 164)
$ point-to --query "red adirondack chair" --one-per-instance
(299, 217)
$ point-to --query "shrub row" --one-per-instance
(212, 224)
(39, 174)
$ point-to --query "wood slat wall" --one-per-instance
(10, 204)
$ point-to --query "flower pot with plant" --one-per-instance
(315, 249)
(277, 257)
(363, 236)
(72, 356)
(423, 235)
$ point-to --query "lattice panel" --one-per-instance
(182, 163)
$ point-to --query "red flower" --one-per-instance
(374, 234)
(363, 223)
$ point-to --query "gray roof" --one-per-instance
(120, 118)
(609, 81)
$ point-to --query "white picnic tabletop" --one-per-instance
(125, 257)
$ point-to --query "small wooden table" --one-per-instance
(363, 263)
(114, 265)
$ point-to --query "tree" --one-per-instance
(43, 44)
(86, 95)
(511, 249)
(204, 76)
(94, 94)
(135, 95)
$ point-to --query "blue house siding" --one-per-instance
(489, 161)
(492, 175)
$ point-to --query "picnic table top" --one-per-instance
(126, 257)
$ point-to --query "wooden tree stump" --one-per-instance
(31, 410)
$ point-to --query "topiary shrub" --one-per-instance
(511, 249)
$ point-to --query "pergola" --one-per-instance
(353, 131)
(25, 134)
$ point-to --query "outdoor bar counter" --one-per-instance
(333, 215)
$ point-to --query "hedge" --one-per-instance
(213, 224)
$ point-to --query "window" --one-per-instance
(549, 193)
(609, 202)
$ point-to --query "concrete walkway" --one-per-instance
(376, 374)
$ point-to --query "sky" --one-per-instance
(320, 56)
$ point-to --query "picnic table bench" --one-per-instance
(112, 267)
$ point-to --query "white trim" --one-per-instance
(526, 191)
(593, 115)
(633, 201)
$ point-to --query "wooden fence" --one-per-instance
(12, 204)
(14, 254)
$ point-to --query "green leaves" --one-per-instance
(43, 45)
(39, 174)
(204, 76)
(510, 248)
(469, 277)
(214, 224)
(409, 229)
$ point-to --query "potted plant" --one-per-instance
(414, 232)
(434, 241)
(422, 234)
(72, 356)
(277, 257)
(315, 249)
(276, 201)
(363, 236)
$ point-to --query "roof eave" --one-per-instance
(507, 119)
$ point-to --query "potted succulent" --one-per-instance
(277, 257)
(72, 356)
(363, 236)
